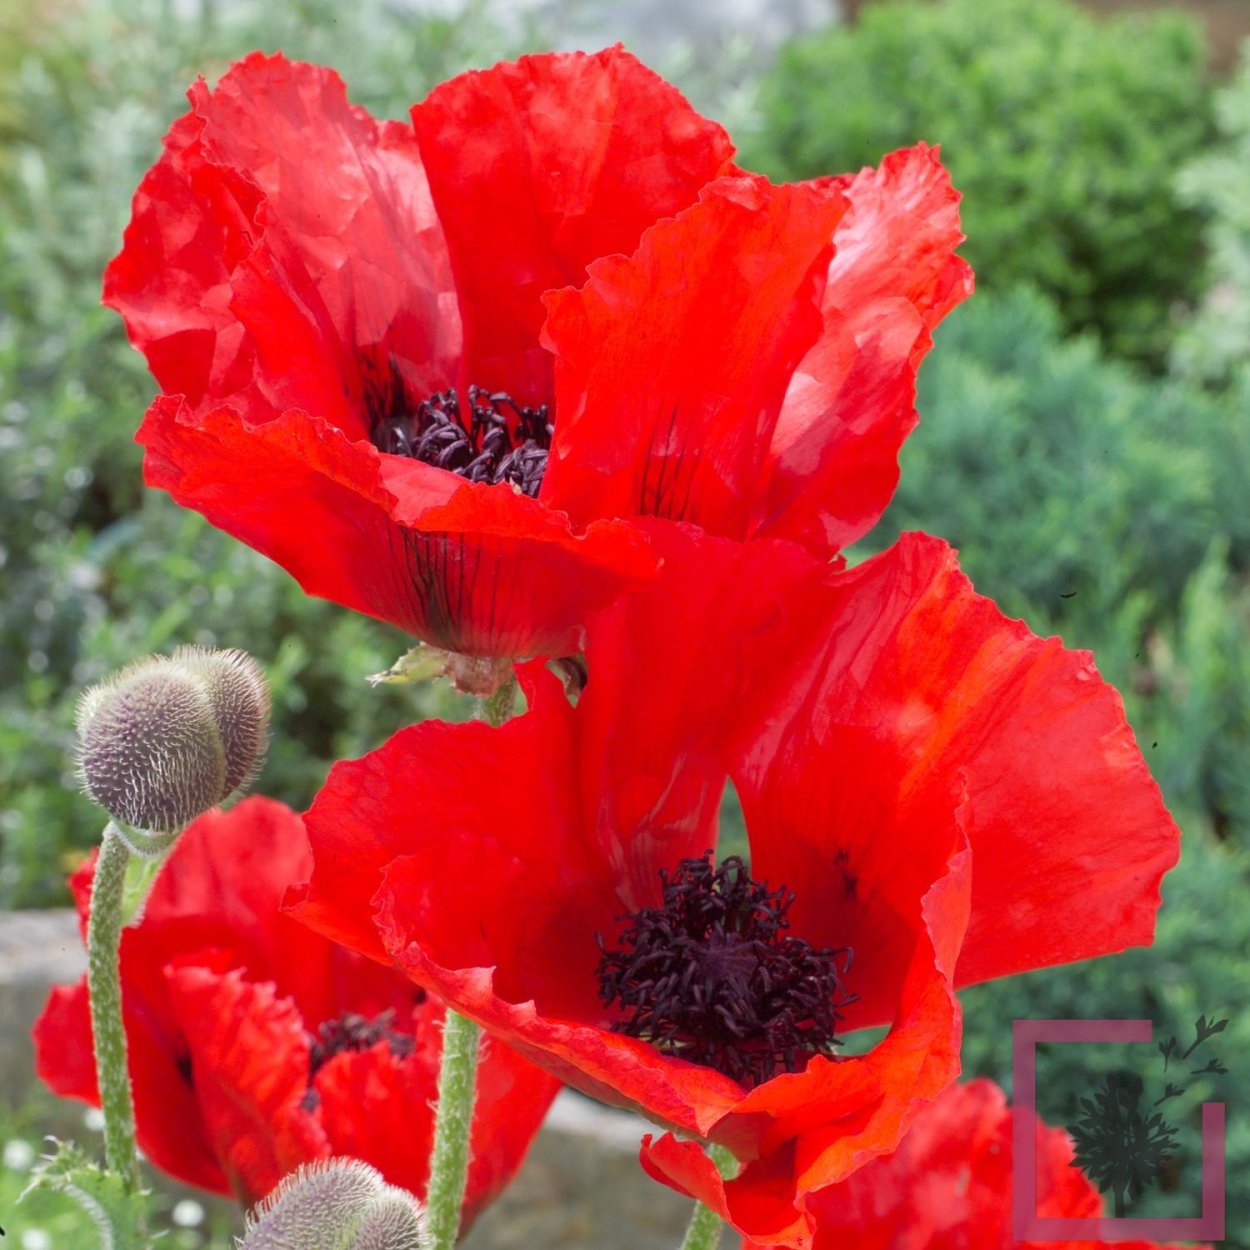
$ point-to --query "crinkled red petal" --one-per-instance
(249, 1055)
(473, 568)
(1068, 830)
(540, 166)
(169, 1128)
(672, 364)
(894, 276)
(283, 247)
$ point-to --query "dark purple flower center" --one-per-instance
(351, 1031)
(712, 976)
(495, 441)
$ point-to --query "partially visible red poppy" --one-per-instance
(257, 1045)
(948, 1186)
(347, 319)
(945, 795)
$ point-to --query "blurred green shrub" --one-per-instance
(1105, 507)
(1216, 342)
(1064, 133)
(92, 573)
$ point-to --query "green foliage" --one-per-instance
(93, 573)
(1064, 133)
(36, 1213)
(1216, 342)
(118, 1213)
(1103, 507)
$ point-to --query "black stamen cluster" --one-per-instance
(355, 1032)
(713, 978)
(497, 441)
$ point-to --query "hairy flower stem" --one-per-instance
(457, 1081)
(449, 1163)
(104, 987)
(705, 1226)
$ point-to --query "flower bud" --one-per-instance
(169, 737)
(336, 1204)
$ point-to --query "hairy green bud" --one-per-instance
(336, 1204)
(169, 737)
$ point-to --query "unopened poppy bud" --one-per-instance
(169, 737)
(337, 1204)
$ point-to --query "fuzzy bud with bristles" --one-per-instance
(335, 1204)
(169, 737)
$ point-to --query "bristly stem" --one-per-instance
(457, 1081)
(449, 1164)
(105, 991)
(705, 1226)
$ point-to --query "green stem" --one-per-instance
(705, 1226)
(449, 1163)
(105, 991)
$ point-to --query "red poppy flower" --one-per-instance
(944, 795)
(256, 1045)
(948, 1185)
(346, 317)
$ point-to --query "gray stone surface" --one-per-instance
(580, 1187)
(38, 949)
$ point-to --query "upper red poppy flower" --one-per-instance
(256, 1045)
(346, 317)
(948, 1186)
(927, 788)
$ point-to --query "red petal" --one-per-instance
(893, 277)
(282, 234)
(537, 168)
(672, 364)
(473, 568)
(249, 1057)
(168, 1124)
(1069, 835)
(62, 1037)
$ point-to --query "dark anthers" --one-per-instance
(355, 1032)
(351, 1031)
(711, 977)
(500, 441)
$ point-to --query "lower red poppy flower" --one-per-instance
(948, 1186)
(256, 1045)
(932, 796)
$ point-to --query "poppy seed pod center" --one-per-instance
(712, 976)
(496, 441)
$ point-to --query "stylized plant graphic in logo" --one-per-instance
(1122, 1146)
(1119, 1147)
